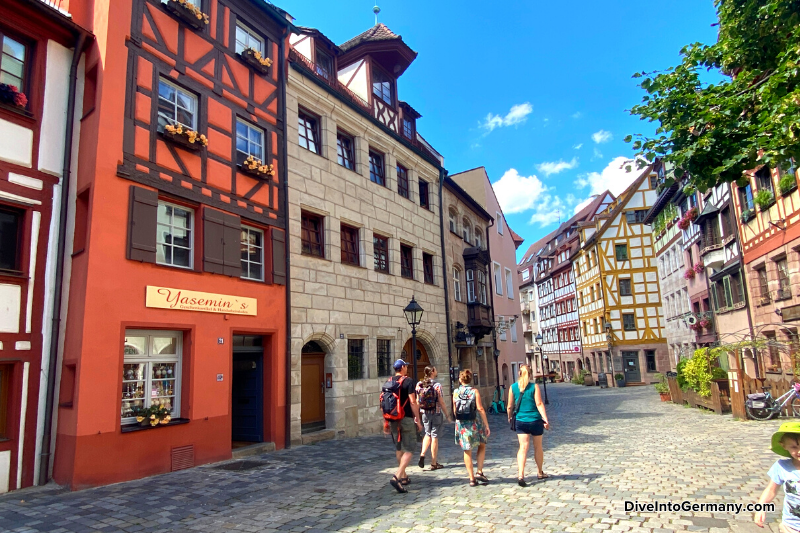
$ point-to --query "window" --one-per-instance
(513, 327)
(502, 319)
(382, 85)
(12, 63)
(653, 181)
(252, 253)
(763, 283)
(376, 170)
(525, 275)
(424, 199)
(636, 217)
(174, 238)
(465, 231)
(408, 128)
(350, 248)
(344, 150)
(247, 38)
(249, 140)
(509, 284)
(499, 222)
(11, 222)
(746, 198)
(628, 322)
(625, 287)
(355, 359)
(311, 234)
(384, 357)
(621, 251)
(650, 359)
(498, 279)
(784, 288)
(457, 284)
(452, 218)
(380, 245)
(427, 268)
(772, 359)
(478, 232)
(402, 181)
(470, 286)
(176, 106)
(764, 179)
(406, 262)
(308, 131)
(482, 287)
(324, 64)
(151, 373)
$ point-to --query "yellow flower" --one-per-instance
(154, 423)
(152, 417)
(139, 418)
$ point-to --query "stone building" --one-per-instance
(364, 230)
(467, 263)
(509, 345)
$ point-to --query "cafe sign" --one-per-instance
(183, 300)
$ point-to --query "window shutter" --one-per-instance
(232, 238)
(142, 215)
(278, 256)
(213, 241)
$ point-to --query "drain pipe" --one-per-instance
(445, 281)
(44, 456)
(284, 66)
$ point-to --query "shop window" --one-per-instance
(402, 182)
(628, 322)
(312, 234)
(406, 262)
(427, 268)
(174, 237)
(176, 106)
(350, 245)
(247, 38)
(308, 131)
(249, 141)
(11, 223)
(355, 359)
(384, 357)
(377, 172)
(344, 150)
(650, 359)
(252, 244)
(151, 374)
(380, 245)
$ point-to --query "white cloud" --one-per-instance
(613, 178)
(516, 115)
(554, 167)
(577, 115)
(596, 154)
(518, 193)
(578, 146)
(602, 136)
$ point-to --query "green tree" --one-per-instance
(717, 131)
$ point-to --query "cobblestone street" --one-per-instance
(605, 446)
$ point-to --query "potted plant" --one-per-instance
(662, 387)
(698, 267)
(187, 12)
(254, 58)
(256, 168)
(185, 137)
(764, 199)
(689, 273)
(11, 98)
(747, 215)
(620, 379)
(787, 184)
(152, 416)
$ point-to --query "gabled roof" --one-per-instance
(516, 238)
(410, 110)
(318, 34)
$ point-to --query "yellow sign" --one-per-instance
(182, 300)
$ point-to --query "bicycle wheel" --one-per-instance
(760, 413)
(796, 406)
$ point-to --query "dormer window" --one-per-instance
(382, 85)
(408, 128)
(324, 64)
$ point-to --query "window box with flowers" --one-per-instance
(687, 218)
(748, 215)
(788, 184)
(698, 267)
(186, 11)
(13, 100)
(764, 199)
(184, 137)
(256, 61)
(701, 324)
(689, 273)
(254, 167)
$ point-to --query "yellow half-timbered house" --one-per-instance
(621, 318)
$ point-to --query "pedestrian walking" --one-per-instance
(433, 410)
(472, 427)
(401, 420)
(784, 473)
(527, 416)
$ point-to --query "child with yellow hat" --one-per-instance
(784, 473)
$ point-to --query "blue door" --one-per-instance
(248, 394)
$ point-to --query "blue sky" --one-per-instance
(534, 91)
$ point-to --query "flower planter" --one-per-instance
(665, 397)
(255, 61)
(182, 139)
(187, 13)
(786, 191)
(254, 167)
(747, 216)
(13, 100)
(620, 382)
(16, 109)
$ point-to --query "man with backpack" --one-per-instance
(401, 420)
(432, 407)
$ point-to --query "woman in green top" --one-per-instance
(531, 421)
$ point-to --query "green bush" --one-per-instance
(618, 377)
(696, 373)
(788, 183)
(662, 387)
(764, 199)
(718, 373)
(681, 379)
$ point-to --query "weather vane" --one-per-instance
(376, 10)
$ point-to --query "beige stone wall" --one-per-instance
(331, 301)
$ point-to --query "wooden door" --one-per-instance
(312, 390)
(422, 358)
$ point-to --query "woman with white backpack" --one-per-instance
(472, 426)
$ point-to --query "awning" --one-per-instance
(726, 270)
(709, 210)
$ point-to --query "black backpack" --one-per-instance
(390, 399)
(466, 408)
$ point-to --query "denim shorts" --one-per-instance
(535, 428)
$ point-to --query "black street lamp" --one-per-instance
(539, 341)
(413, 313)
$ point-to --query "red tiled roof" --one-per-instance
(379, 32)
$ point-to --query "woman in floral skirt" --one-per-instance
(472, 427)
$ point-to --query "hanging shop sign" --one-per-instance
(183, 300)
(790, 313)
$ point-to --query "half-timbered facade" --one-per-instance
(177, 309)
(622, 319)
(364, 231)
(41, 47)
(529, 305)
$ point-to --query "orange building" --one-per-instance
(175, 348)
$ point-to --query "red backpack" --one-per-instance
(390, 399)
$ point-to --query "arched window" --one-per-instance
(478, 233)
(453, 216)
(457, 284)
(466, 231)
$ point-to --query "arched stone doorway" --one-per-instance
(588, 365)
(422, 357)
(312, 387)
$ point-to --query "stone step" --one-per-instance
(318, 436)
(254, 449)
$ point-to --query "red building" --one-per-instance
(175, 348)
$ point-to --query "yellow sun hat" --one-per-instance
(786, 427)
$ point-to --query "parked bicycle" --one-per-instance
(498, 405)
(762, 406)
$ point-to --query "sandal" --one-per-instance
(397, 485)
(480, 477)
(421, 461)
(436, 466)
(542, 476)
(473, 483)
(521, 482)
(405, 480)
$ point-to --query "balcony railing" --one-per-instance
(709, 243)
